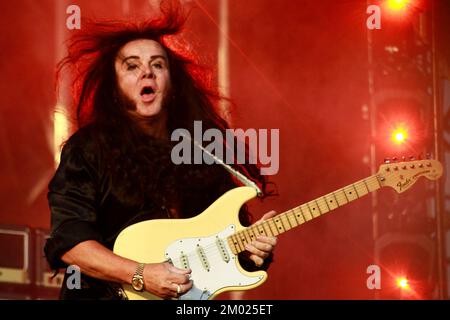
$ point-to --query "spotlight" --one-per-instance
(398, 5)
(403, 283)
(399, 134)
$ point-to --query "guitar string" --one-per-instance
(197, 262)
(212, 250)
(361, 185)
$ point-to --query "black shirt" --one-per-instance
(87, 201)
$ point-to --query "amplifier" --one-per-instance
(15, 244)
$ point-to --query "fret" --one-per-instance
(303, 213)
(371, 185)
(354, 188)
(252, 233)
(287, 226)
(237, 243)
(378, 180)
(232, 245)
(261, 230)
(308, 215)
(331, 203)
(350, 193)
(266, 228)
(292, 220)
(342, 197)
(361, 189)
(324, 200)
(299, 215)
(247, 235)
(243, 237)
(273, 227)
(367, 187)
(313, 209)
(279, 225)
(323, 205)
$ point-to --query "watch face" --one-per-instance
(138, 284)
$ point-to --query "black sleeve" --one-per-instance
(72, 200)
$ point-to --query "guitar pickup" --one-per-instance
(184, 261)
(202, 256)
(223, 251)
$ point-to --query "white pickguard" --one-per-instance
(221, 274)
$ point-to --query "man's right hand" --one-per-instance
(166, 281)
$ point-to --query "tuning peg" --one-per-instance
(387, 160)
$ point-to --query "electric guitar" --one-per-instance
(209, 243)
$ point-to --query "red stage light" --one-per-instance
(398, 5)
(403, 283)
(400, 134)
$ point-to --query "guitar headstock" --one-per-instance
(402, 175)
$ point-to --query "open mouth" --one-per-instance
(147, 90)
(147, 94)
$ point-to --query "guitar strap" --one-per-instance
(238, 175)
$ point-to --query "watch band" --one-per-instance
(140, 270)
(138, 278)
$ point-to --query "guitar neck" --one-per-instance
(292, 218)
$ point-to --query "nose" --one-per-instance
(147, 72)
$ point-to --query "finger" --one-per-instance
(180, 288)
(269, 240)
(252, 249)
(268, 215)
(178, 270)
(178, 278)
(263, 246)
(257, 260)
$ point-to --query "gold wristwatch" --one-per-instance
(137, 282)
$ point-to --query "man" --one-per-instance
(131, 91)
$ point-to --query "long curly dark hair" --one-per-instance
(140, 165)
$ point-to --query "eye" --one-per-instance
(158, 65)
(131, 66)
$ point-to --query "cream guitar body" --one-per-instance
(209, 243)
(198, 243)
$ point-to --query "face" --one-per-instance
(142, 72)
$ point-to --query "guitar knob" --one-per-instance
(412, 158)
(387, 160)
(403, 158)
(394, 159)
